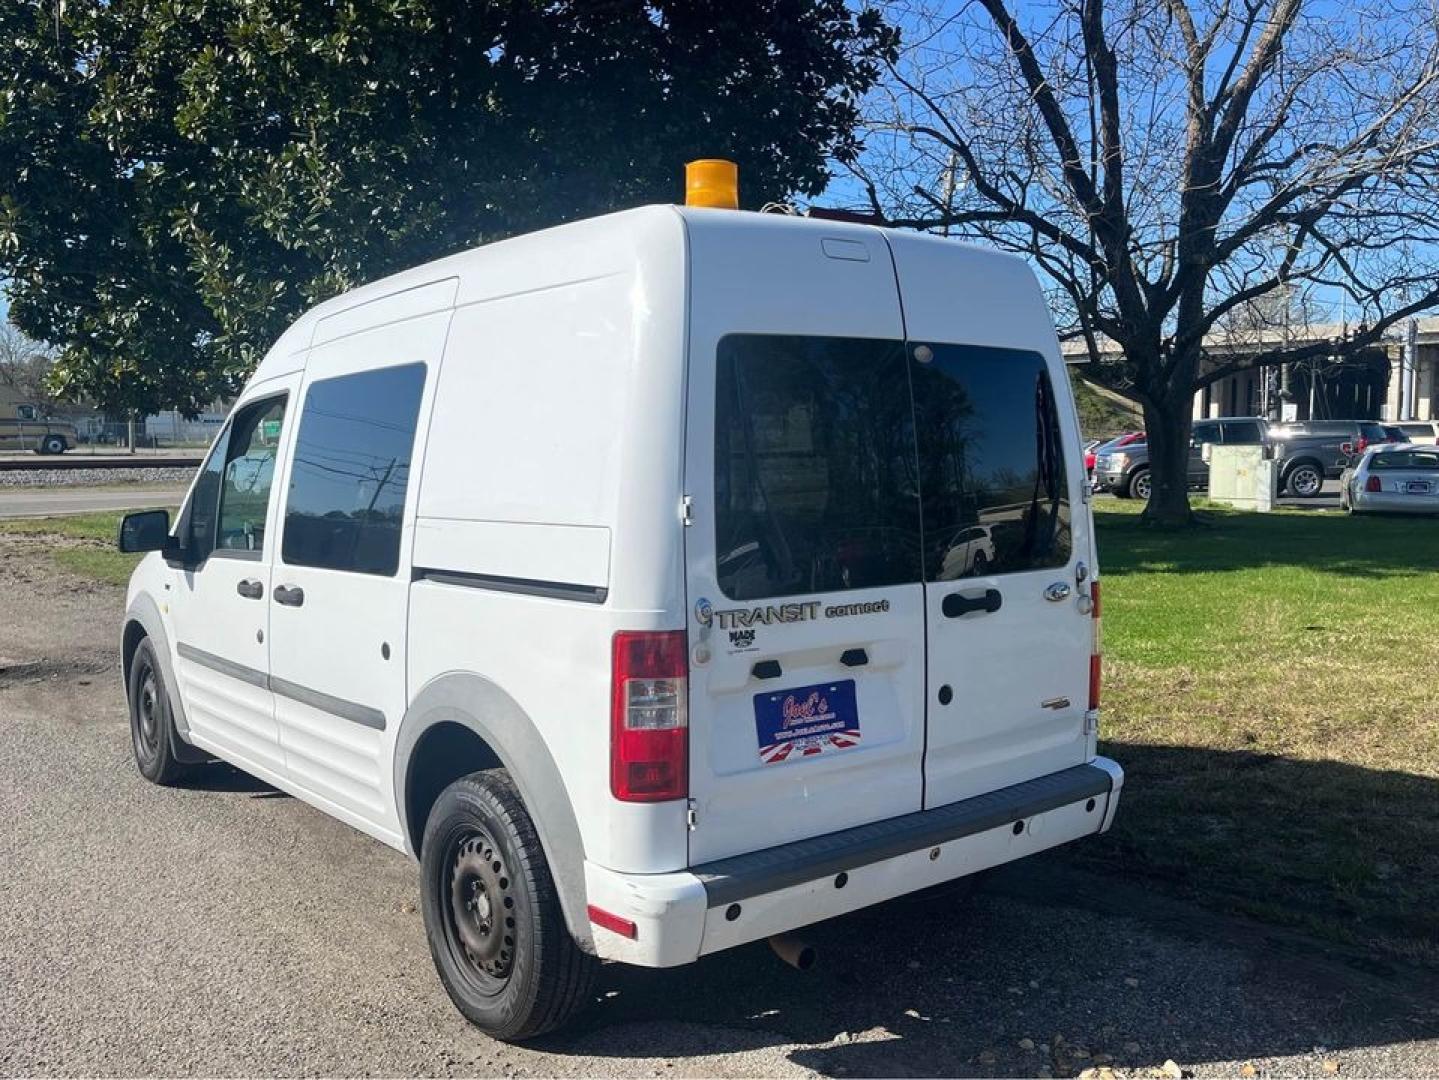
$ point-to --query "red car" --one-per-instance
(1092, 450)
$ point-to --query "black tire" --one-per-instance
(1136, 485)
(492, 914)
(152, 721)
(1305, 480)
(53, 444)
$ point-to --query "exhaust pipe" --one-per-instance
(798, 954)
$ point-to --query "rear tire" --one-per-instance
(53, 444)
(152, 721)
(1305, 481)
(1137, 486)
(496, 931)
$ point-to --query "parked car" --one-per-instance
(1394, 477)
(31, 429)
(591, 568)
(1124, 469)
(1420, 431)
(1312, 451)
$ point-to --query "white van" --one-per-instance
(627, 576)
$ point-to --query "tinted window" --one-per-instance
(351, 469)
(1243, 432)
(244, 482)
(990, 454)
(1420, 460)
(1373, 432)
(814, 466)
(1204, 433)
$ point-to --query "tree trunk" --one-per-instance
(1167, 423)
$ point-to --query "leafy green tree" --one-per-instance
(180, 178)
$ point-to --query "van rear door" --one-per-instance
(806, 627)
(1005, 525)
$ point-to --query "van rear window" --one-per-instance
(815, 470)
(996, 498)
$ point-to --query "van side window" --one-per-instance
(990, 454)
(245, 482)
(815, 474)
(351, 470)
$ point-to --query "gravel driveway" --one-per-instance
(227, 929)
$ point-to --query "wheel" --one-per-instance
(1137, 486)
(152, 724)
(53, 444)
(1305, 481)
(492, 914)
(980, 566)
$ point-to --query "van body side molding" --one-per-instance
(553, 590)
(346, 710)
(743, 876)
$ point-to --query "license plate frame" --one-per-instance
(1417, 487)
(805, 722)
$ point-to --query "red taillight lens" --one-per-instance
(1361, 445)
(1372, 484)
(649, 731)
(1096, 651)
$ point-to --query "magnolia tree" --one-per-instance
(1170, 165)
(179, 180)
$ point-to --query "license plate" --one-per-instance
(806, 721)
(1417, 487)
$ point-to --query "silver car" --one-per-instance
(1395, 477)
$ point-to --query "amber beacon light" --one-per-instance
(712, 182)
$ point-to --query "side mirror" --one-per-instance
(1346, 448)
(146, 530)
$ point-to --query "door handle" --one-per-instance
(1057, 592)
(289, 595)
(250, 589)
(956, 604)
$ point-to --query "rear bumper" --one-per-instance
(1393, 502)
(682, 916)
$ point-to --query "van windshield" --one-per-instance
(826, 448)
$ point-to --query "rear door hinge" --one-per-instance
(687, 510)
(692, 816)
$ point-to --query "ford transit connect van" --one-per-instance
(660, 582)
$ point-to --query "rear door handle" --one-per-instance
(956, 604)
(250, 589)
(289, 595)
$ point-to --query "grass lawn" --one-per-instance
(1270, 691)
(85, 544)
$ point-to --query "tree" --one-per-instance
(25, 367)
(1166, 164)
(179, 179)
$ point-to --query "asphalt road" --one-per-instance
(224, 929)
(21, 502)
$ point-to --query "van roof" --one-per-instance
(578, 249)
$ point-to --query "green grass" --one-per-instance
(1269, 690)
(86, 544)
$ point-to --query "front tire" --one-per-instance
(492, 914)
(152, 722)
(53, 445)
(1137, 486)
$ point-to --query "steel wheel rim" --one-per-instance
(147, 715)
(478, 909)
(1306, 481)
(1141, 486)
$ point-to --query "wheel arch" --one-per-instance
(1297, 462)
(461, 723)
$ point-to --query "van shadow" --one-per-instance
(1367, 546)
(1057, 963)
(222, 777)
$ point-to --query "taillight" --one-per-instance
(649, 743)
(1372, 484)
(1361, 445)
(1097, 649)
